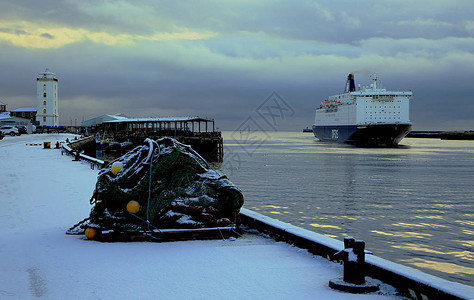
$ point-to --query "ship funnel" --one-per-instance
(350, 84)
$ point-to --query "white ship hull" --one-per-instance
(368, 117)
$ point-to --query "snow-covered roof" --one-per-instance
(1, 103)
(25, 109)
(117, 116)
(164, 119)
(5, 118)
(101, 119)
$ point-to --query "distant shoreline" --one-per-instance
(444, 135)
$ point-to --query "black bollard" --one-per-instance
(354, 266)
(77, 156)
(353, 257)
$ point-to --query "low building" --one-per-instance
(6, 119)
(26, 112)
(3, 107)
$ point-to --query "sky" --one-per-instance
(225, 59)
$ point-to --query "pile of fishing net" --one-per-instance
(161, 184)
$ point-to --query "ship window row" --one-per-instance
(385, 118)
(391, 97)
(385, 107)
(395, 116)
(383, 97)
(378, 99)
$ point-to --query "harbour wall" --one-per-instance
(410, 282)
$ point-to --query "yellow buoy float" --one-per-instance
(116, 167)
(90, 233)
(133, 206)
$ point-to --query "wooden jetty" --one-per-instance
(199, 133)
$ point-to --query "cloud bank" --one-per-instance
(221, 60)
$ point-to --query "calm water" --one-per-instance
(413, 205)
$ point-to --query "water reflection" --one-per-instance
(445, 267)
(468, 255)
(324, 226)
(411, 204)
(403, 234)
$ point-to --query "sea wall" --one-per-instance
(408, 281)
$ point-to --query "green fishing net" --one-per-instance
(174, 186)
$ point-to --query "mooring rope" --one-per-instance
(149, 188)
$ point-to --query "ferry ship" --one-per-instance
(369, 116)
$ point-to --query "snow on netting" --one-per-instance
(174, 186)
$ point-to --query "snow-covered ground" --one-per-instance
(43, 193)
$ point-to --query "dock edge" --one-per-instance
(409, 282)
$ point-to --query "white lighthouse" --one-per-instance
(47, 99)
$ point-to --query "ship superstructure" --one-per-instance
(369, 116)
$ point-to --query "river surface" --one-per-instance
(413, 205)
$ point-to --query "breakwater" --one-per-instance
(444, 135)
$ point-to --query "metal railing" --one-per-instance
(94, 162)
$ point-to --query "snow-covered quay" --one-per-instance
(43, 193)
